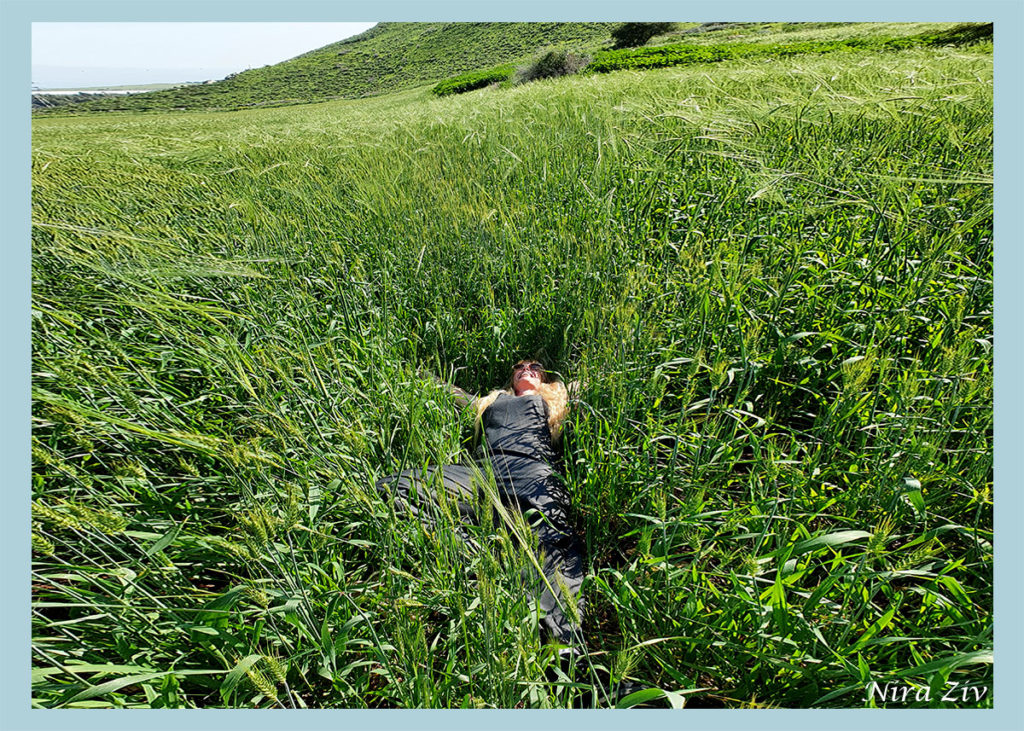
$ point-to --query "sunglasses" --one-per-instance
(535, 367)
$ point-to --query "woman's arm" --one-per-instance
(575, 388)
(463, 398)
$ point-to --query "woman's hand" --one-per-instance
(462, 398)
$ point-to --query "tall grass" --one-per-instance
(776, 282)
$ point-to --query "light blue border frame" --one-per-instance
(15, 130)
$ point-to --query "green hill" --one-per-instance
(389, 57)
(392, 57)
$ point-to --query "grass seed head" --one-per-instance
(257, 596)
(856, 371)
(261, 683)
(53, 517)
(880, 537)
(276, 668)
(42, 545)
(99, 519)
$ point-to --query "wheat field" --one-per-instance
(774, 277)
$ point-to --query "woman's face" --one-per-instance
(526, 377)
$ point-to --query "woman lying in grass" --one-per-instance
(522, 428)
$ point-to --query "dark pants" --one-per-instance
(536, 490)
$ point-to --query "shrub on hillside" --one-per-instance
(473, 80)
(552, 64)
(631, 35)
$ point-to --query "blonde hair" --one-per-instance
(555, 396)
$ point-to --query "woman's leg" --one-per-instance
(563, 570)
(541, 496)
(429, 493)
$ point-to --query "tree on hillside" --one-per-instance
(631, 35)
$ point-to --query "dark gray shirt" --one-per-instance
(517, 426)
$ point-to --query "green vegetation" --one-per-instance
(548, 64)
(775, 279)
(387, 58)
(561, 62)
(474, 80)
(395, 56)
(685, 53)
(631, 35)
(551, 64)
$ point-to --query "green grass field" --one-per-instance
(388, 57)
(774, 276)
(394, 57)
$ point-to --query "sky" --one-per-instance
(76, 55)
